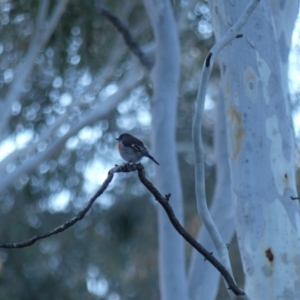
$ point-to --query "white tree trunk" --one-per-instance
(165, 78)
(261, 145)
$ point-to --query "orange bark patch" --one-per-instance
(237, 130)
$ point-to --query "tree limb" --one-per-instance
(75, 219)
(121, 27)
(164, 202)
(221, 210)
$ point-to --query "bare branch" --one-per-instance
(121, 27)
(164, 201)
(78, 217)
(42, 15)
(54, 19)
(221, 210)
(231, 34)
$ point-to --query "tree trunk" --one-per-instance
(261, 145)
(165, 78)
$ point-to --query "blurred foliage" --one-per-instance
(112, 253)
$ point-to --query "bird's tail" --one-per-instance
(153, 159)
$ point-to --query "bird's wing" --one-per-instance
(140, 148)
(144, 150)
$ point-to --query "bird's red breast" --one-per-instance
(120, 146)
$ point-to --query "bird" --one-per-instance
(132, 149)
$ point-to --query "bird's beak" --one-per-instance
(117, 139)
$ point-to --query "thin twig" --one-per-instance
(121, 27)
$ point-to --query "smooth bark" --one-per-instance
(165, 78)
(227, 37)
(261, 145)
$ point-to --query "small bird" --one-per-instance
(132, 149)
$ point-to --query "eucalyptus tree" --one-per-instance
(261, 144)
